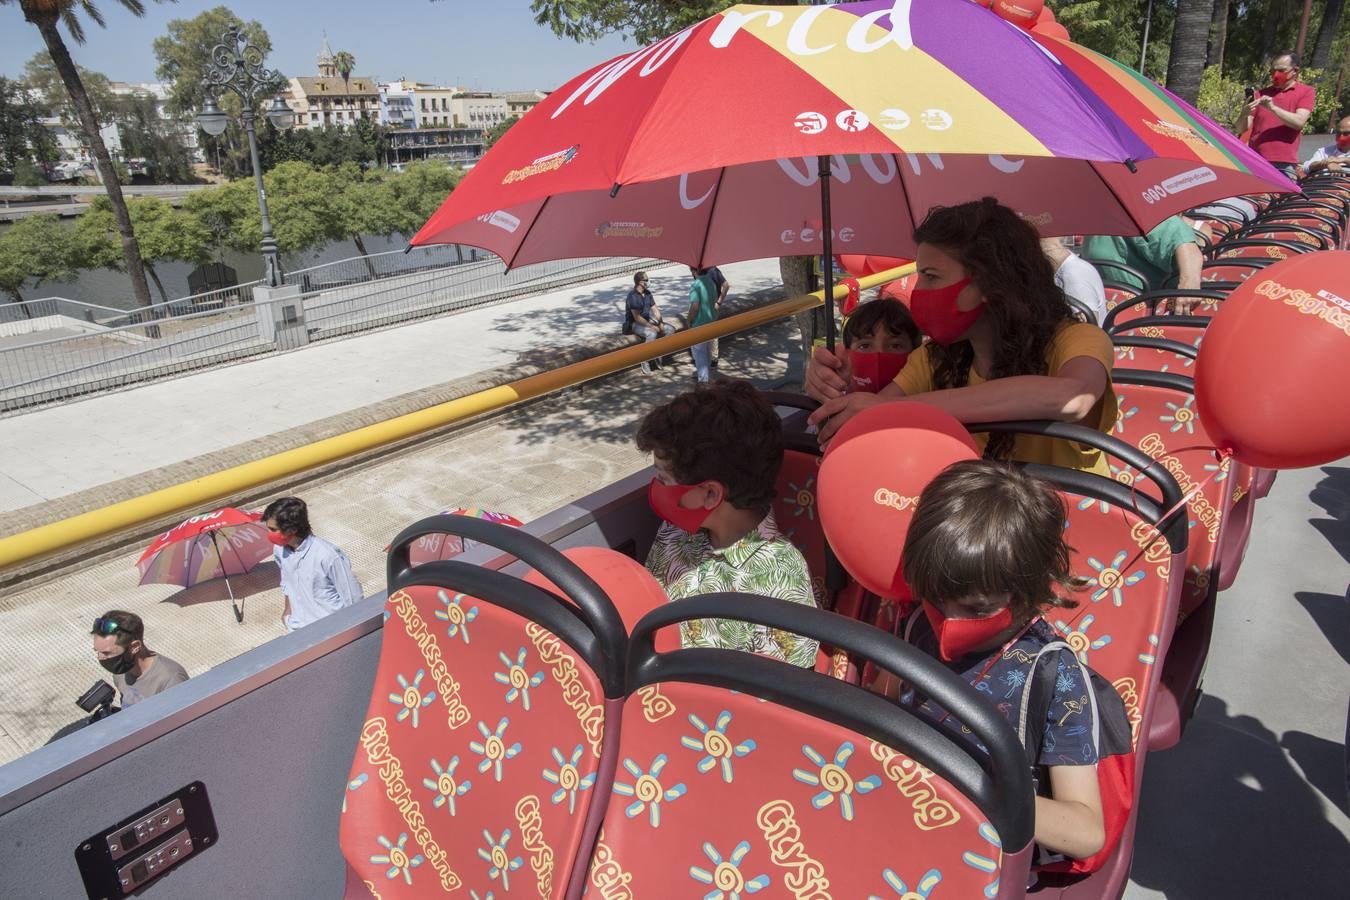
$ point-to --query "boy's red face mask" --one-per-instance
(958, 637)
(665, 502)
(873, 370)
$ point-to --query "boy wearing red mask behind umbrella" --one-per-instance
(986, 555)
(717, 452)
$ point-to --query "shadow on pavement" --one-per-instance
(1322, 762)
(1332, 616)
(1225, 814)
(1333, 494)
(265, 577)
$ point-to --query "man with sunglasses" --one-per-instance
(1336, 157)
(138, 672)
(1277, 114)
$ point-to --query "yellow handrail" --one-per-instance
(235, 480)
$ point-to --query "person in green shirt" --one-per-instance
(1169, 249)
(717, 452)
(702, 311)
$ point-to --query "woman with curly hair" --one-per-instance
(1003, 343)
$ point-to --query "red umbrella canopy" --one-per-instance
(431, 547)
(227, 541)
(712, 138)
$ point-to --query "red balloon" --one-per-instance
(1051, 29)
(898, 289)
(1045, 15)
(1281, 411)
(878, 264)
(1022, 13)
(870, 479)
(634, 590)
(854, 264)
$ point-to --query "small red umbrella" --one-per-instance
(431, 547)
(217, 544)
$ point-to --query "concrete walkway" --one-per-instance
(81, 445)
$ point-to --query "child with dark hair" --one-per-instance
(986, 556)
(717, 452)
(879, 336)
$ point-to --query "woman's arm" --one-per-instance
(1070, 820)
(1067, 396)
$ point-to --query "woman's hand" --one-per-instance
(834, 413)
(825, 376)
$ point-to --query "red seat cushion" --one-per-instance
(795, 511)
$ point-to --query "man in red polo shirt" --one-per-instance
(1277, 115)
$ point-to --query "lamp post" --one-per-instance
(238, 65)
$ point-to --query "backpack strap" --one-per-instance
(1039, 693)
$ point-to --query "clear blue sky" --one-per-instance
(494, 44)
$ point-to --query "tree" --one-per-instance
(37, 249)
(162, 232)
(1326, 34)
(148, 135)
(22, 135)
(182, 55)
(344, 62)
(1218, 34)
(644, 20)
(1190, 39)
(45, 16)
(494, 134)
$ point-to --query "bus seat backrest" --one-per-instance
(484, 746)
(742, 795)
(795, 510)
(1161, 421)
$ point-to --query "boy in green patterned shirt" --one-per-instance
(717, 452)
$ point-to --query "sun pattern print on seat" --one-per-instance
(777, 803)
(478, 761)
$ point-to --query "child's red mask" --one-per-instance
(957, 637)
(665, 502)
(873, 370)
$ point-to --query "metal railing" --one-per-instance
(169, 338)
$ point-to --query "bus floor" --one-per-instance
(1252, 802)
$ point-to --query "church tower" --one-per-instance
(326, 67)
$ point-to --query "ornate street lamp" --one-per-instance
(238, 66)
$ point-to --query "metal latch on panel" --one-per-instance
(122, 860)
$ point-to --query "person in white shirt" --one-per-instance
(316, 576)
(1079, 280)
(1333, 157)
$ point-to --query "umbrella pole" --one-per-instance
(238, 613)
(827, 238)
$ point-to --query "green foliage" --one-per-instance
(494, 134)
(26, 174)
(22, 135)
(1221, 99)
(146, 135)
(362, 143)
(1323, 82)
(41, 76)
(162, 232)
(36, 248)
(643, 20)
(184, 53)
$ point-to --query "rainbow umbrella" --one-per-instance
(430, 547)
(716, 143)
(217, 544)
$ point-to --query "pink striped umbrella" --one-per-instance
(217, 544)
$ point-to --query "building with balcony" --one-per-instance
(477, 109)
(518, 103)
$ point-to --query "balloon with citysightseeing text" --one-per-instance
(870, 479)
(1023, 13)
(1271, 372)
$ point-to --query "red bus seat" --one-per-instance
(1262, 248)
(755, 776)
(1267, 230)
(488, 744)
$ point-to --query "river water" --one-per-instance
(106, 287)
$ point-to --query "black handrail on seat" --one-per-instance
(1151, 299)
(1173, 381)
(999, 783)
(1174, 527)
(1200, 323)
(596, 609)
(1137, 340)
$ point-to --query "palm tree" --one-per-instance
(344, 62)
(45, 14)
(1190, 37)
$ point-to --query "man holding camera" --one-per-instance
(137, 671)
(1276, 115)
